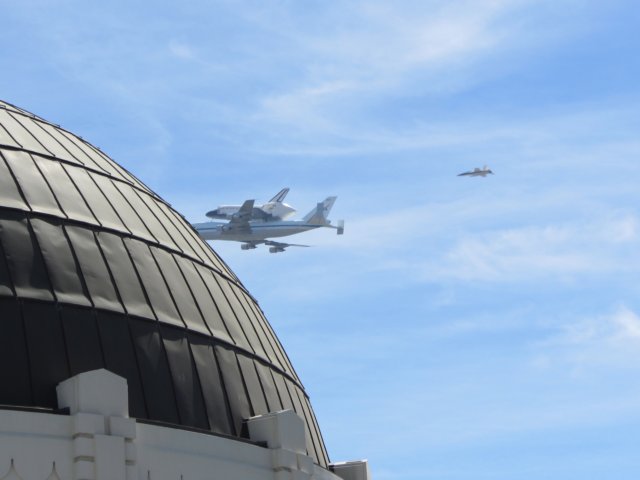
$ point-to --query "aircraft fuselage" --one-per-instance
(257, 231)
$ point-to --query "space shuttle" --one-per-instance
(274, 210)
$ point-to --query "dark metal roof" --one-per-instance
(97, 271)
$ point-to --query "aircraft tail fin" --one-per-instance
(279, 197)
(319, 215)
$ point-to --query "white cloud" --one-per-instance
(592, 344)
(533, 252)
(181, 50)
(378, 47)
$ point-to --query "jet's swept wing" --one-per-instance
(477, 172)
(277, 247)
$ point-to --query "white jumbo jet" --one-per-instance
(274, 209)
(477, 172)
(243, 227)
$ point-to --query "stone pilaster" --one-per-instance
(103, 434)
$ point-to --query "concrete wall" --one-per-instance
(97, 441)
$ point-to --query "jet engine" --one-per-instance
(247, 246)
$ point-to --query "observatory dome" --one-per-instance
(97, 271)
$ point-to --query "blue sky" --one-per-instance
(461, 328)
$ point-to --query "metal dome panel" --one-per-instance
(97, 271)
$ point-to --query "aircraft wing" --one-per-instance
(240, 219)
(276, 247)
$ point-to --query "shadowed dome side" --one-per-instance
(97, 271)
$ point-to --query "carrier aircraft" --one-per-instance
(249, 225)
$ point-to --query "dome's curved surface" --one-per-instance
(97, 271)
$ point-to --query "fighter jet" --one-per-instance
(274, 209)
(243, 227)
(477, 172)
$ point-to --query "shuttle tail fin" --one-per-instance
(279, 197)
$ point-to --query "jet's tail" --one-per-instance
(319, 215)
(279, 197)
